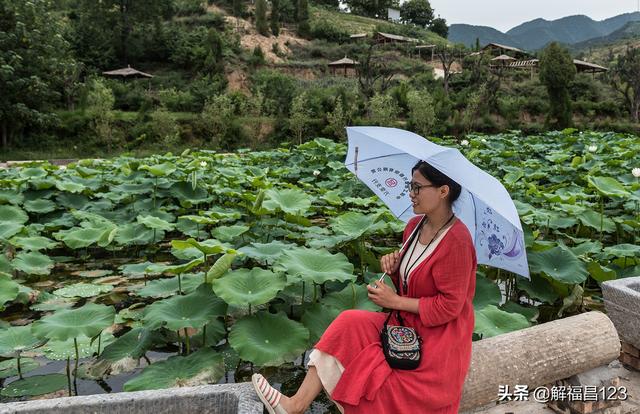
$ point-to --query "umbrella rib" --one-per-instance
(375, 158)
(403, 211)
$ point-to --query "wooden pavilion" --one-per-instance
(382, 38)
(348, 66)
(127, 73)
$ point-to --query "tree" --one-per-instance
(439, 27)
(331, 4)
(275, 17)
(556, 72)
(338, 119)
(447, 55)
(238, 8)
(300, 116)
(261, 17)
(625, 80)
(214, 63)
(100, 101)
(373, 73)
(383, 110)
(422, 114)
(35, 65)
(303, 18)
(371, 8)
(418, 12)
(217, 118)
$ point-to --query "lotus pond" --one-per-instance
(175, 270)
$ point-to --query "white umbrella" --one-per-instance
(382, 158)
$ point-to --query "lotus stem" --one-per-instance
(75, 367)
(198, 231)
(69, 377)
(204, 336)
(186, 337)
(179, 285)
(99, 342)
(250, 308)
(315, 292)
(601, 216)
(19, 367)
(302, 300)
(146, 358)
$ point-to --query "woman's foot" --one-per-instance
(274, 401)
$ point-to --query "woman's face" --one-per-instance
(428, 197)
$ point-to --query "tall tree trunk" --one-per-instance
(5, 135)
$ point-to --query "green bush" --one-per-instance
(188, 7)
(176, 100)
(277, 88)
(322, 29)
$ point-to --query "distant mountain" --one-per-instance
(630, 31)
(538, 33)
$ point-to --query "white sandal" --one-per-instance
(269, 396)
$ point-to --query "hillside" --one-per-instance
(629, 32)
(467, 35)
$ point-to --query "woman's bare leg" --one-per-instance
(308, 391)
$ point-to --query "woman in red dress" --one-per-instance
(436, 276)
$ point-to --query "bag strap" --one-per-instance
(386, 322)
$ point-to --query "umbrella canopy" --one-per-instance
(382, 158)
(127, 72)
(503, 57)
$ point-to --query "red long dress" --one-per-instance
(445, 284)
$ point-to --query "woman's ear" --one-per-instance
(444, 191)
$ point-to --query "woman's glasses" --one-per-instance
(415, 187)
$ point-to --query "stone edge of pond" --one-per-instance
(145, 401)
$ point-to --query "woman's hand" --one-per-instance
(382, 295)
(390, 263)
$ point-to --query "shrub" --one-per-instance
(277, 88)
(422, 115)
(176, 100)
(383, 110)
(323, 29)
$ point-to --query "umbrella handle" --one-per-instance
(404, 245)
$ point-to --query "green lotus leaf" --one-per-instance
(134, 344)
(11, 197)
(155, 223)
(82, 290)
(189, 311)
(33, 243)
(17, 339)
(42, 184)
(220, 267)
(538, 288)
(229, 233)
(87, 347)
(184, 192)
(8, 289)
(88, 320)
(356, 224)
(49, 302)
(93, 274)
(70, 186)
(163, 288)
(529, 312)
(35, 385)
(9, 229)
(351, 297)
(202, 220)
(608, 186)
(333, 197)
(292, 201)
(135, 269)
(316, 266)
(82, 237)
(12, 214)
(591, 219)
(137, 234)
(35, 172)
(243, 286)
(317, 318)
(601, 273)
(174, 269)
(562, 222)
(5, 265)
(75, 201)
(588, 247)
(491, 321)
(487, 293)
(560, 264)
(211, 246)
(623, 250)
(327, 242)
(33, 263)
(268, 339)
(40, 206)
(266, 252)
(159, 170)
(9, 367)
(204, 366)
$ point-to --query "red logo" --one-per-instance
(391, 182)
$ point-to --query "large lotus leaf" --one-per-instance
(601, 273)
(35, 385)
(11, 197)
(9, 367)
(40, 206)
(591, 219)
(49, 302)
(268, 339)
(317, 318)
(61, 350)
(42, 184)
(266, 252)
(538, 288)
(184, 192)
(243, 286)
(220, 267)
(33, 172)
(204, 366)
(562, 222)
(78, 238)
(560, 264)
(17, 339)
(33, 263)
(9, 229)
(155, 223)
(211, 246)
(88, 320)
(5, 265)
(487, 293)
(229, 233)
(174, 269)
(529, 312)
(608, 186)
(93, 274)
(313, 265)
(327, 242)
(189, 311)
(292, 201)
(159, 170)
(70, 186)
(163, 288)
(82, 290)
(491, 321)
(12, 214)
(33, 243)
(351, 297)
(76, 201)
(8, 289)
(135, 269)
(588, 247)
(356, 224)
(623, 250)
(137, 234)
(133, 344)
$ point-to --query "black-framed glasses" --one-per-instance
(415, 187)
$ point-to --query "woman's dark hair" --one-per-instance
(439, 179)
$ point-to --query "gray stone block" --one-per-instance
(204, 399)
(622, 303)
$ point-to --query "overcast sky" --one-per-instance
(506, 14)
